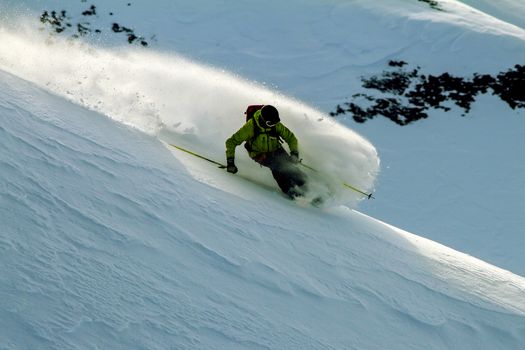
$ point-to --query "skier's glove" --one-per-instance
(294, 157)
(231, 168)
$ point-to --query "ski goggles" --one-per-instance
(270, 124)
(264, 122)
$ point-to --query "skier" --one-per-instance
(262, 133)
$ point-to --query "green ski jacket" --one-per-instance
(263, 141)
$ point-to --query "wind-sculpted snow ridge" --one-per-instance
(509, 11)
(183, 102)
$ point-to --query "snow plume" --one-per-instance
(187, 103)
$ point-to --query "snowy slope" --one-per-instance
(435, 177)
(109, 239)
(107, 242)
(509, 11)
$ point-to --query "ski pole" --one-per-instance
(368, 195)
(307, 167)
(221, 166)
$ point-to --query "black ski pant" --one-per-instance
(289, 177)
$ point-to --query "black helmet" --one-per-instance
(269, 115)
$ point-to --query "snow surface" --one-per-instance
(509, 11)
(110, 239)
(107, 242)
(318, 55)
